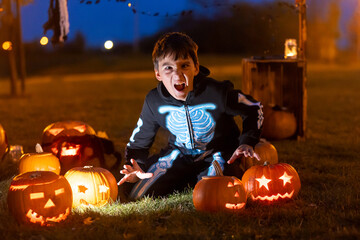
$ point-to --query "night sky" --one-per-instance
(114, 20)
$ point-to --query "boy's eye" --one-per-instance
(168, 68)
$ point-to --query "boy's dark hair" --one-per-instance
(177, 44)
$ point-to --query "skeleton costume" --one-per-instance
(202, 129)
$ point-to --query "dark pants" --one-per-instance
(174, 171)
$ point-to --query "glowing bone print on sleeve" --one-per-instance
(136, 130)
(158, 169)
(242, 99)
(202, 123)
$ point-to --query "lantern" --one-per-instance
(272, 183)
(279, 123)
(74, 143)
(290, 49)
(3, 142)
(39, 197)
(219, 193)
(39, 162)
(266, 152)
(92, 186)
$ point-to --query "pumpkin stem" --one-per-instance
(217, 168)
(266, 163)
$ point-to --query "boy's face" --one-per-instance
(177, 75)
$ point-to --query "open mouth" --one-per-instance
(36, 218)
(234, 206)
(179, 86)
(273, 197)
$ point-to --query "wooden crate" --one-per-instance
(278, 82)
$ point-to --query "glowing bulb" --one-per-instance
(7, 46)
(108, 44)
(129, 4)
(44, 40)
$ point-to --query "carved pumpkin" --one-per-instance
(3, 142)
(265, 150)
(219, 193)
(279, 123)
(74, 143)
(39, 197)
(271, 183)
(39, 162)
(92, 186)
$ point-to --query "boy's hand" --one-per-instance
(133, 173)
(244, 149)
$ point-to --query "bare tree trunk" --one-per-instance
(20, 47)
(12, 58)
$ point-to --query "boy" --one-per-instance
(198, 111)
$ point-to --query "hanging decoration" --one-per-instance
(58, 21)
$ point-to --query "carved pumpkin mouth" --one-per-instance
(234, 205)
(273, 197)
(70, 150)
(34, 217)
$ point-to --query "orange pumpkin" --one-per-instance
(3, 142)
(272, 183)
(279, 123)
(219, 193)
(92, 186)
(39, 197)
(74, 143)
(39, 162)
(265, 150)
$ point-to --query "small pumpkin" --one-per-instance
(271, 183)
(39, 162)
(266, 152)
(219, 193)
(279, 123)
(39, 197)
(92, 186)
(3, 142)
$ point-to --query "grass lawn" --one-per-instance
(327, 207)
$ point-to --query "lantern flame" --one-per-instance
(70, 151)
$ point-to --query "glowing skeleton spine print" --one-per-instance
(193, 126)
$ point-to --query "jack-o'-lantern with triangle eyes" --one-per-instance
(74, 143)
(219, 193)
(92, 186)
(271, 183)
(40, 197)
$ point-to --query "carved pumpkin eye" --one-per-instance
(80, 128)
(59, 191)
(263, 182)
(37, 195)
(286, 178)
(55, 131)
(82, 189)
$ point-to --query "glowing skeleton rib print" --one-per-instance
(190, 124)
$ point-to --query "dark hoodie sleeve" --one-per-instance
(143, 136)
(250, 110)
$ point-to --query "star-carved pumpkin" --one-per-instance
(266, 152)
(39, 162)
(219, 193)
(39, 197)
(3, 142)
(73, 143)
(271, 183)
(92, 186)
